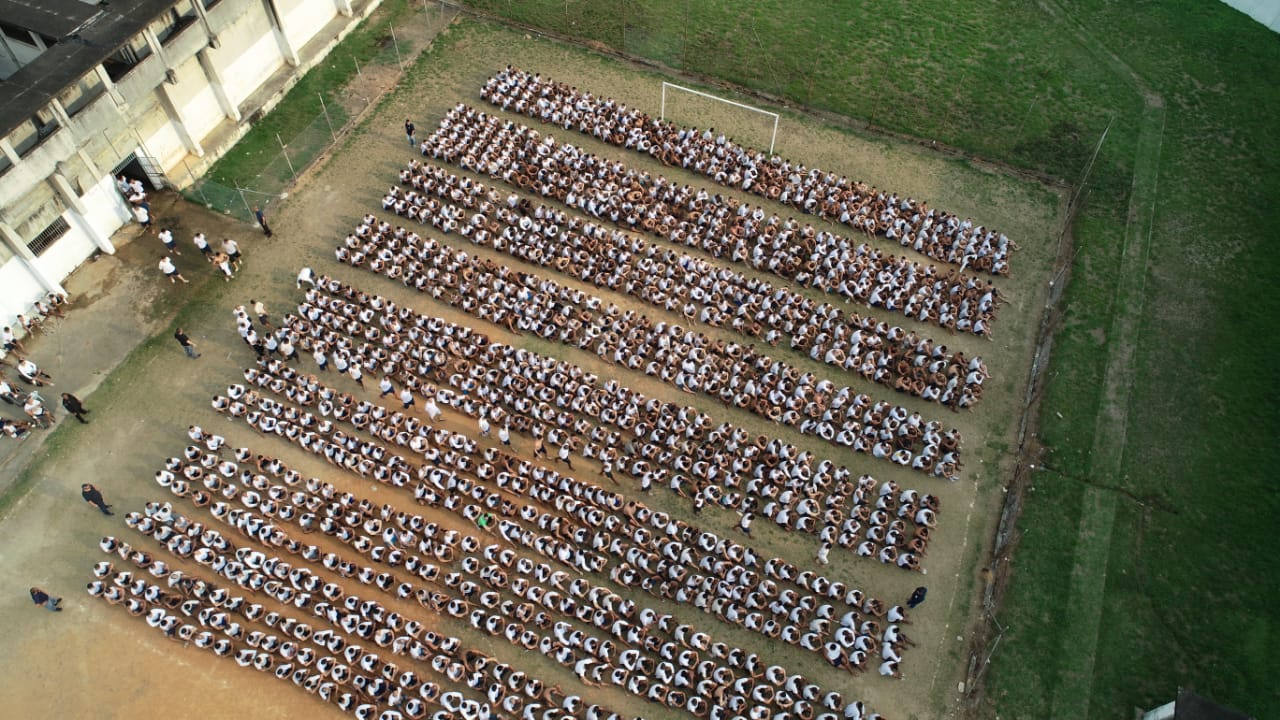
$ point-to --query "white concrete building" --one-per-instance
(154, 89)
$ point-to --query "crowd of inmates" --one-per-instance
(734, 373)
(659, 444)
(936, 234)
(699, 290)
(717, 224)
(517, 590)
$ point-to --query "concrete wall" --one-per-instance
(302, 19)
(21, 290)
(193, 97)
(1266, 12)
(67, 252)
(247, 52)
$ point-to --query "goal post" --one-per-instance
(662, 113)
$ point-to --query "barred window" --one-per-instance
(48, 236)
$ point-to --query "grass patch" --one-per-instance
(1193, 566)
(301, 109)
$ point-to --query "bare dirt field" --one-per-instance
(95, 661)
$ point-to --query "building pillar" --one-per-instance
(7, 148)
(277, 26)
(110, 85)
(215, 81)
(344, 7)
(188, 140)
(20, 250)
(79, 212)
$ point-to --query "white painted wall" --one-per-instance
(21, 290)
(247, 54)
(159, 138)
(303, 19)
(1266, 12)
(104, 208)
(194, 99)
(67, 252)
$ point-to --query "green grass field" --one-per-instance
(1147, 560)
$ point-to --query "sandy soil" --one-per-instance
(94, 661)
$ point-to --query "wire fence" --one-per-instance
(340, 111)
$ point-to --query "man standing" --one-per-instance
(917, 597)
(261, 311)
(262, 220)
(385, 387)
(143, 214)
(188, 347)
(203, 246)
(40, 597)
(409, 132)
(75, 407)
(406, 400)
(93, 496)
(166, 237)
(232, 249)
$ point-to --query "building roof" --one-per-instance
(85, 35)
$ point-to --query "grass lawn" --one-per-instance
(1190, 567)
(300, 109)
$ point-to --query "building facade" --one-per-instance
(153, 89)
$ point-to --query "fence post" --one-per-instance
(243, 200)
(283, 151)
(396, 43)
(325, 108)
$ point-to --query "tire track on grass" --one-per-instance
(1073, 691)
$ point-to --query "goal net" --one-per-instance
(688, 107)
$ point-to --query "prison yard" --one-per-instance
(682, 360)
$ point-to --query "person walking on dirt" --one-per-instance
(188, 347)
(261, 217)
(40, 597)
(75, 407)
(170, 270)
(409, 132)
(917, 597)
(93, 496)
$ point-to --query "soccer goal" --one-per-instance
(662, 113)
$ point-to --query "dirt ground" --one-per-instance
(95, 661)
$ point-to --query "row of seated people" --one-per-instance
(937, 234)
(716, 224)
(194, 611)
(725, 466)
(693, 362)
(527, 581)
(367, 620)
(608, 521)
(696, 288)
(658, 556)
(789, 483)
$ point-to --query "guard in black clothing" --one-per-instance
(75, 407)
(917, 597)
(94, 497)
